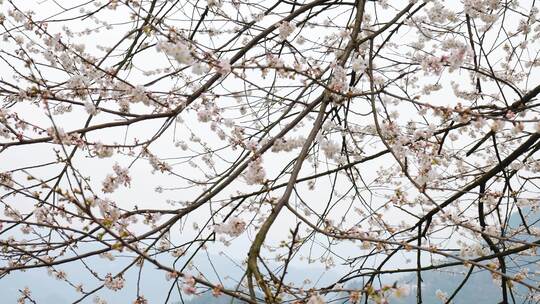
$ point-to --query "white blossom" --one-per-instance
(233, 227)
(330, 148)
(255, 173)
(223, 67)
(359, 65)
(114, 283)
(199, 68)
(90, 108)
(179, 51)
(316, 299)
(112, 182)
(285, 29)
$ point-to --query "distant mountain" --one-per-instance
(207, 298)
(48, 290)
(480, 289)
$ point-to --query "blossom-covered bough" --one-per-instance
(379, 140)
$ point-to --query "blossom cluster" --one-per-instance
(59, 136)
(233, 227)
(255, 173)
(114, 283)
(285, 29)
(178, 50)
(112, 182)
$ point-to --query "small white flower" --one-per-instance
(115, 283)
(441, 295)
(90, 108)
(255, 173)
(223, 67)
(178, 51)
(316, 299)
(359, 65)
(199, 68)
(285, 29)
(233, 227)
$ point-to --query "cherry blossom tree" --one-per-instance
(370, 138)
